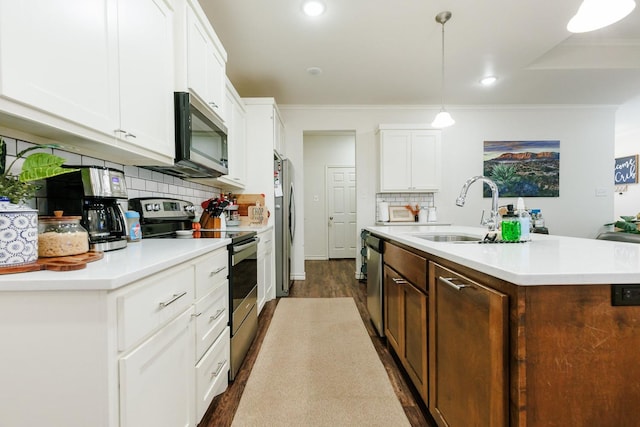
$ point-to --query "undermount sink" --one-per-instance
(448, 238)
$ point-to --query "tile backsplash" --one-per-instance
(140, 182)
(403, 199)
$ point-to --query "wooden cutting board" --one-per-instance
(63, 263)
(244, 201)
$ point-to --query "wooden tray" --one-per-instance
(63, 263)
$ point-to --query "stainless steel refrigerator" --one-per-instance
(285, 222)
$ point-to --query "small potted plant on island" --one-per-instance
(18, 222)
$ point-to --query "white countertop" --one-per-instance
(545, 260)
(117, 268)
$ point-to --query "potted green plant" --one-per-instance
(20, 188)
(19, 223)
(626, 224)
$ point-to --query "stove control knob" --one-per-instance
(156, 207)
(148, 207)
(190, 208)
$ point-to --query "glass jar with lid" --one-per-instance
(61, 236)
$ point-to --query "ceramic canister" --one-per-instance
(18, 234)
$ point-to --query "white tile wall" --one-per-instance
(140, 182)
(403, 199)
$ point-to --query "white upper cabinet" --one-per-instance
(237, 140)
(65, 64)
(410, 159)
(206, 60)
(94, 75)
(145, 29)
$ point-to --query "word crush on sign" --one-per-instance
(626, 170)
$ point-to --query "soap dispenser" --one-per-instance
(525, 220)
(510, 226)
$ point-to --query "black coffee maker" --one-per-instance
(93, 193)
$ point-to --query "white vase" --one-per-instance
(18, 234)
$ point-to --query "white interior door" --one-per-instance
(341, 204)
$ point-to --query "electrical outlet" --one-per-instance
(625, 294)
(601, 192)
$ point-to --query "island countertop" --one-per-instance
(117, 268)
(545, 260)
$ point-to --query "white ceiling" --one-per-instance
(389, 52)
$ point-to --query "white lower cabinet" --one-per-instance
(151, 353)
(156, 380)
(266, 290)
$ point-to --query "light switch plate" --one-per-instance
(601, 192)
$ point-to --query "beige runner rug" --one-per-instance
(318, 367)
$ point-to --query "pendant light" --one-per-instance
(443, 119)
(595, 14)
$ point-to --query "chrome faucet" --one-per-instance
(492, 222)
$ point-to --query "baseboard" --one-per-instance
(316, 258)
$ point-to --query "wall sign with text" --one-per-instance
(626, 170)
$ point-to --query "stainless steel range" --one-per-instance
(163, 217)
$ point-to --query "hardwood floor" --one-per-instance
(324, 279)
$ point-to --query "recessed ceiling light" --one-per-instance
(314, 71)
(488, 81)
(313, 7)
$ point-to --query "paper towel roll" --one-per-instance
(383, 211)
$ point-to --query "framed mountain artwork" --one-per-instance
(523, 168)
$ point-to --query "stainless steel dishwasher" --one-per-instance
(375, 301)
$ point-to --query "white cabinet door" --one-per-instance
(146, 74)
(266, 291)
(269, 273)
(237, 140)
(205, 66)
(425, 161)
(410, 160)
(60, 57)
(395, 153)
(157, 379)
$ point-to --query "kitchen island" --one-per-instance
(521, 334)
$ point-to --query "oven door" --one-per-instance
(243, 280)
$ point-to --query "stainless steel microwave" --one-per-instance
(200, 141)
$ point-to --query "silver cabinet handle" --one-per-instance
(218, 314)
(127, 134)
(218, 369)
(173, 299)
(196, 315)
(399, 281)
(216, 271)
(449, 281)
(213, 104)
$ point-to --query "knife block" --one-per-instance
(209, 222)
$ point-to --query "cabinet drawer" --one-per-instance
(152, 303)
(412, 266)
(212, 373)
(212, 316)
(211, 270)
